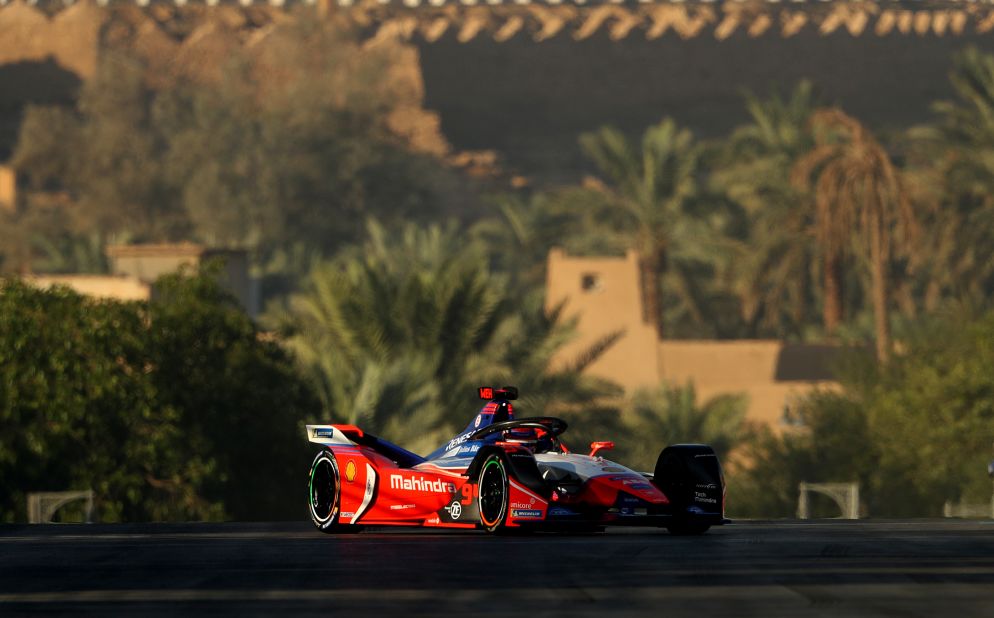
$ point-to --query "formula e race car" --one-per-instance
(504, 473)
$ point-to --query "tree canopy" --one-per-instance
(173, 409)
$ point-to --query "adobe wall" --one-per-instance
(8, 188)
(603, 294)
(98, 286)
(530, 100)
(608, 303)
(771, 374)
(526, 80)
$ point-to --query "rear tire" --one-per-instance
(690, 476)
(494, 492)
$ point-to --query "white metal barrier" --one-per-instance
(43, 505)
(968, 510)
(846, 495)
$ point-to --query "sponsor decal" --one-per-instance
(367, 497)
(469, 450)
(347, 515)
(641, 486)
(526, 513)
(324, 433)
(433, 519)
(454, 509)
(350, 471)
(401, 507)
(454, 442)
(612, 469)
(522, 505)
(420, 483)
(703, 497)
(558, 511)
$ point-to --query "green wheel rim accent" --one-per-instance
(489, 498)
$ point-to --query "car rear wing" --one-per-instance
(350, 435)
(333, 434)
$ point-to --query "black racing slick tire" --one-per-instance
(691, 477)
(324, 494)
(494, 488)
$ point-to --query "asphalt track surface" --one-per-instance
(827, 568)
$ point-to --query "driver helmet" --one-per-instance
(536, 440)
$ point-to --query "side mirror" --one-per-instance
(595, 447)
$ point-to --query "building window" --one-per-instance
(591, 282)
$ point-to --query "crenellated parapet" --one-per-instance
(540, 20)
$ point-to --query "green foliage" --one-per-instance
(833, 445)
(771, 272)
(653, 418)
(519, 235)
(934, 410)
(39, 238)
(399, 336)
(653, 199)
(78, 410)
(970, 121)
(952, 167)
(239, 398)
(172, 410)
(915, 433)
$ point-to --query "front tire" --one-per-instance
(325, 492)
(494, 491)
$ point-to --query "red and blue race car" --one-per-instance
(504, 473)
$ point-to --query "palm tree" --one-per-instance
(971, 120)
(653, 187)
(857, 191)
(398, 334)
(772, 266)
(958, 185)
(672, 414)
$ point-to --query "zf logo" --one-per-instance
(454, 509)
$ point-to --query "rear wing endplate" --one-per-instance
(333, 434)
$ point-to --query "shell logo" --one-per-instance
(350, 471)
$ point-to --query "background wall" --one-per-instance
(530, 101)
